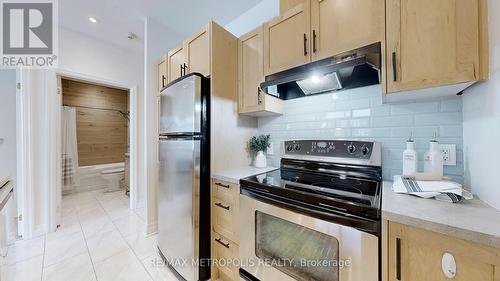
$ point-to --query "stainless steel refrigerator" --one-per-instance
(184, 195)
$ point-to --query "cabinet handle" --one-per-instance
(398, 258)
(223, 185)
(163, 78)
(305, 44)
(259, 93)
(314, 41)
(185, 67)
(218, 240)
(222, 206)
(394, 70)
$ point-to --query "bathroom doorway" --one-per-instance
(95, 146)
(95, 137)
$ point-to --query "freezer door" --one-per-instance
(180, 107)
(178, 218)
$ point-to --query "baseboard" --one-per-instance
(152, 228)
(39, 231)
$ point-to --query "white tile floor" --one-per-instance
(100, 238)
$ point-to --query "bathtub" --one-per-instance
(89, 178)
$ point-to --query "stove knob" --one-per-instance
(351, 148)
(289, 147)
(298, 147)
(365, 150)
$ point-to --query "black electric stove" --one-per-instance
(339, 181)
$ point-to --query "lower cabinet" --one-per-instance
(225, 254)
(415, 255)
(225, 233)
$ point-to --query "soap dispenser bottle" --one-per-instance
(410, 158)
(433, 160)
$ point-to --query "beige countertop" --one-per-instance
(471, 220)
(234, 175)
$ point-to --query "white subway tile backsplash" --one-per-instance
(438, 118)
(392, 121)
(360, 114)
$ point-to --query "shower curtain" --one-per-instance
(69, 148)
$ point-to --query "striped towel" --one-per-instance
(447, 191)
(67, 170)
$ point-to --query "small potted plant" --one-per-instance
(260, 144)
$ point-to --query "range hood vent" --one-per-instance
(349, 70)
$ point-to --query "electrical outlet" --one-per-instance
(449, 154)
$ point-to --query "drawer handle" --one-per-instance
(314, 41)
(305, 44)
(223, 185)
(394, 67)
(222, 206)
(222, 243)
(398, 258)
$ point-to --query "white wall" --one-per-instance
(257, 15)
(8, 131)
(158, 40)
(81, 54)
(8, 123)
(481, 117)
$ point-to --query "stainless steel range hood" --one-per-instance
(349, 70)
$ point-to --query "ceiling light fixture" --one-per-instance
(92, 20)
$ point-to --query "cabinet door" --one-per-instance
(176, 60)
(251, 70)
(287, 40)
(415, 255)
(339, 26)
(198, 52)
(162, 74)
(431, 43)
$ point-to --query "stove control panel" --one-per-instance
(330, 148)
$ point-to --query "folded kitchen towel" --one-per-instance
(440, 190)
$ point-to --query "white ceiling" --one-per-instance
(115, 18)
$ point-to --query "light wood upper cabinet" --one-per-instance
(287, 39)
(162, 73)
(415, 255)
(176, 60)
(338, 26)
(432, 43)
(197, 49)
(252, 100)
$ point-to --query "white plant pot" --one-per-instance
(260, 160)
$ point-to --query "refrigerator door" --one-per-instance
(178, 217)
(180, 107)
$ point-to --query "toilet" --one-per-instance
(113, 178)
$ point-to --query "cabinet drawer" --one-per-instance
(225, 253)
(225, 218)
(226, 191)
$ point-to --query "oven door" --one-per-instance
(278, 244)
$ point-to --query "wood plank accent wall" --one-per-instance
(102, 134)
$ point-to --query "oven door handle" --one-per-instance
(321, 214)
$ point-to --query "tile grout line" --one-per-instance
(43, 257)
(123, 237)
(86, 244)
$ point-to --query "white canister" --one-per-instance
(410, 159)
(433, 160)
(260, 160)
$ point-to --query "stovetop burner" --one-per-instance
(348, 186)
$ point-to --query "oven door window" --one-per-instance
(298, 251)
